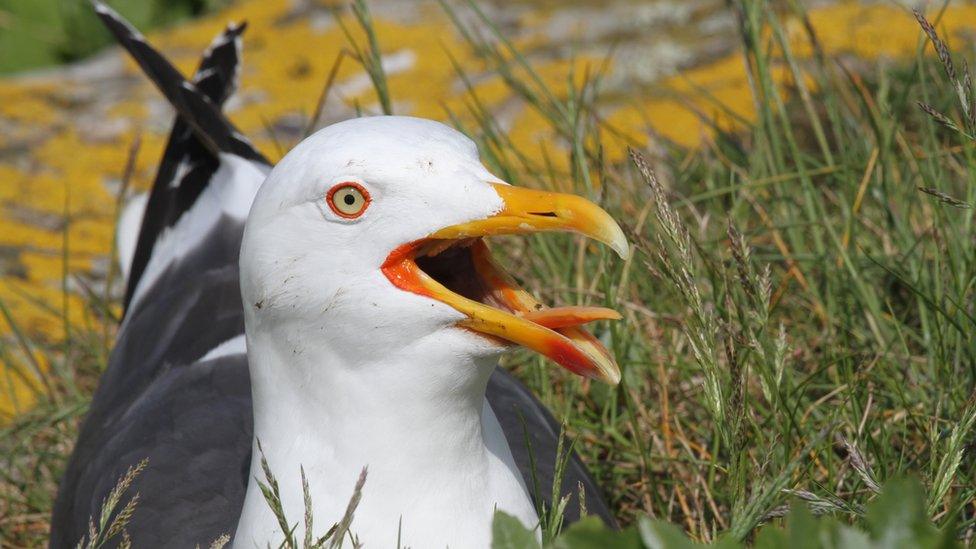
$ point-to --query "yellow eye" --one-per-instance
(348, 200)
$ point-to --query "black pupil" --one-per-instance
(349, 199)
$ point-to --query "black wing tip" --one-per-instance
(199, 111)
(222, 60)
(237, 28)
(109, 15)
(232, 33)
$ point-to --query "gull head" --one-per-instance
(368, 238)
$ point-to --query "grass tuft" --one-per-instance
(333, 538)
(110, 528)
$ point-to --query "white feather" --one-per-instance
(127, 232)
(236, 345)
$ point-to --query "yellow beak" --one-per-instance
(531, 211)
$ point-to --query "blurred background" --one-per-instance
(44, 33)
(73, 108)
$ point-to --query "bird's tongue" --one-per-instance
(568, 317)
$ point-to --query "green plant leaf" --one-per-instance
(591, 533)
(897, 518)
(804, 531)
(802, 528)
(656, 534)
(508, 532)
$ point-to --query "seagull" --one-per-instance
(336, 311)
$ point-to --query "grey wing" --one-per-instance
(162, 397)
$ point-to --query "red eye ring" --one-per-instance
(355, 199)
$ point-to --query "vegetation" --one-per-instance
(896, 518)
(799, 316)
(40, 33)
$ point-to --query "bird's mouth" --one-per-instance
(454, 266)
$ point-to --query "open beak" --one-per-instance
(453, 265)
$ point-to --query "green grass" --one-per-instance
(799, 316)
(800, 312)
(896, 518)
(42, 33)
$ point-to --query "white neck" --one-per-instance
(437, 458)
